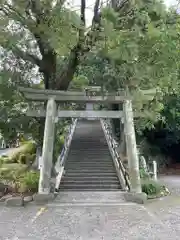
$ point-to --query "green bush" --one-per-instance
(143, 174)
(33, 157)
(29, 148)
(7, 160)
(27, 159)
(22, 159)
(29, 182)
(11, 172)
(151, 187)
(1, 161)
(18, 178)
(59, 143)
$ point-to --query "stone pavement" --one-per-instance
(158, 220)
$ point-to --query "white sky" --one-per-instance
(90, 4)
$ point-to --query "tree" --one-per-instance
(138, 48)
(143, 48)
(39, 32)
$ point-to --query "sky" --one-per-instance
(170, 2)
(90, 4)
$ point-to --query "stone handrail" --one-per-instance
(64, 153)
(121, 171)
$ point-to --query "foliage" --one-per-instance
(41, 46)
(11, 172)
(48, 35)
(143, 174)
(165, 137)
(79, 82)
(151, 187)
(134, 45)
(29, 182)
(22, 159)
(5, 159)
(59, 138)
(138, 49)
(19, 178)
(23, 152)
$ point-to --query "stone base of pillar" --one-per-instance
(139, 198)
(40, 198)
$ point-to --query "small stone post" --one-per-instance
(155, 170)
(47, 151)
(133, 161)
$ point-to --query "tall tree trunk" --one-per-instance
(48, 68)
(67, 74)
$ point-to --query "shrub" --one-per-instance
(27, 159)
(30, 147)
(33, 157)
(59, 143)
(7, 160)
(151, 187)
(25, 149)
(11, 172)
(143, 174)
(22, 159)
(29, 182)
(1, 161)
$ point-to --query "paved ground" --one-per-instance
(158, 220)
(6, 151)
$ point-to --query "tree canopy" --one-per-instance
(41, 32)
(134, 44)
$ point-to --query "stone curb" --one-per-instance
(20, 201)
(43, 198)
(140, 198)
(14, 202)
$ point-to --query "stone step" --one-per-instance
(90, 196)
(90, 171)
(94, 174)
(88, 162)
(89, 181)
(89, 186)
(86, 178)
(88, 189)
(90, 153)
(86, 165)
(90, 159)
(89, 168)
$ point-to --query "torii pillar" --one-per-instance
(48, 145)
(135, 194)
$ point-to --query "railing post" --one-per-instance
(48, 145)
(64, 153)
(133, 161)
(155, 170)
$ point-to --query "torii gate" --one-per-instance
(52, 113)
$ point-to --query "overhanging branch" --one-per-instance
(25, 56)
(84, 44)
(83, 7)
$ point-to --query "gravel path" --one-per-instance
(157, 220)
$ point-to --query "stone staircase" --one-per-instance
(89, 166)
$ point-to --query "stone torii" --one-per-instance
(51, 114)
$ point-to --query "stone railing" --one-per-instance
(64, 153)
(112, 144)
